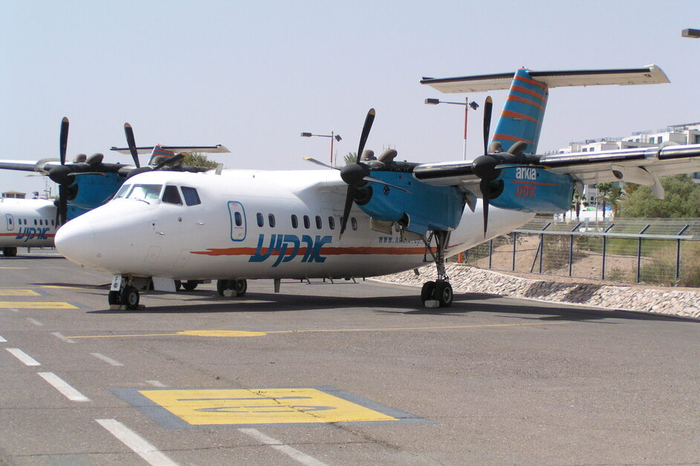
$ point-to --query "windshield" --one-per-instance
(143, 192)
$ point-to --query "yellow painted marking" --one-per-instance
(18, 293)
(241, 333)
(35, 305)
(222, 333)
(64, 287)
(261, 406)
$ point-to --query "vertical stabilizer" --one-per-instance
(523, 112)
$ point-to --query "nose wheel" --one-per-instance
(124, 295)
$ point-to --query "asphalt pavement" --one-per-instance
(338, 374)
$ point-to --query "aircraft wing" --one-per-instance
(43, 165)
(217, 149)
(640, 165)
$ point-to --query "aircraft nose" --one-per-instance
(76, 241)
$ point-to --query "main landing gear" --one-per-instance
(438, 293)
(235, 288)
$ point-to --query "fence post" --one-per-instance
(571, 250)
(515, 242)
(678, 253)
(639, 253)
(605, 245)
(490, 252)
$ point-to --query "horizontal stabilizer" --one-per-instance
(217, 149)
(494, 82)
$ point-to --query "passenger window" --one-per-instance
(295, 221)
(190, 195)
(34, 222)
(171, 195)
(353, 222)
(319, 222)
(238, 219)
(261, 220)
(307, 222)
(331, 223)
(271, 220)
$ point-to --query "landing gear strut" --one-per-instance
(439, 291)
(124, 293)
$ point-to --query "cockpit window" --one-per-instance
(171, 195)
(122, 191)
(190, 195)
(145, 192)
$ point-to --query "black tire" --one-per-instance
(427, 292)
(178, 285)
(9, 251)
(190, 285)
(241, 286)
(130, 298)
(444, 293)
(114, 298)
(221, 286)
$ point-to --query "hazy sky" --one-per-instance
(253, 75)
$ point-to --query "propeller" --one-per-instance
(131, 142)
(354, 173)
(61, 175)
(484, 166)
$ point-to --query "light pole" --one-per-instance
(466, 105)
(334, 137)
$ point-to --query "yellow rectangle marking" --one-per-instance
(261, 406)
(35, 305)
(18, 293)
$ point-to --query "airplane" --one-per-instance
(26, 223)
(89, 182)
(370, 218)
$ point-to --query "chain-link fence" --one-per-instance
(653, 251)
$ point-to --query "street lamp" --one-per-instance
(466, 105)
(333, 136)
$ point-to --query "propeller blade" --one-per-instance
(365, 133)
(62, 211)
(488, 109)
(131, 142)
(63, 141)
(170, 161)
(350, 197)
(318, 162)
(484, 186)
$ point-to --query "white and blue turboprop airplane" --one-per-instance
(372, 217)
(27, 223)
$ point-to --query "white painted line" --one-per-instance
(23, 357)
(35, 322)
(107, 359)
(156, 383)
(293, 453)
(63, 387)
(2, 340)
(62, 337)
(136, 443)
(14, 310)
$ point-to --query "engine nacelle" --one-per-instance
(531, 189)
(424, 207)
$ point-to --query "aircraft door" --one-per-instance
(10, 222)
(238, 221)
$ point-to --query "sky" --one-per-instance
(253, 75)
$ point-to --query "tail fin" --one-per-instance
(523, 112)
(159, 154)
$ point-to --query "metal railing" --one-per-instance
(653, 251)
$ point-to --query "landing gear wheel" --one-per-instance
(9, 251)
(190, 285)
(427, 292)
(444, 293)
(241, 286)
(130, 298)
(231, 288)
(114, 298)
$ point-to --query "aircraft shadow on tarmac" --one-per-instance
(464, 303)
